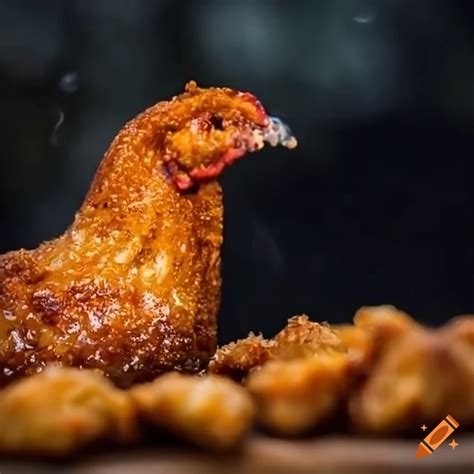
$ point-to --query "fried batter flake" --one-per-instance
(302, 337)
(299, 338)
(237, 358)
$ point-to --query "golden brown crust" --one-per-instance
(211, 411)
(133, 286)
(237, 358)
(61, 410)
(461, 331)
(384, 319)
(359, 344)
(385, 323)
(155, 312)
(299, 338)
(302, 337)
(419, 378)
(303, 379)
(293, 396)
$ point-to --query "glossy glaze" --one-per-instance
(133, 286)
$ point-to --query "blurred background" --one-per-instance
(375, 206)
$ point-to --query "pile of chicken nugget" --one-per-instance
(383, 375)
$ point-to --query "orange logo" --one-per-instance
(437, 437)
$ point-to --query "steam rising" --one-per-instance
(277, 133)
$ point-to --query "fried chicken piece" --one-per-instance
(61, 410)
(211, 411)
(293, 396)
(422, 376)
(133, 286)
(359, 344)
(385, 323)
(299, 338)
(237, 358)
(385, 320)
(461, 331)
(302, 337)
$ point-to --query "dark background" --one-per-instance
(375, 206)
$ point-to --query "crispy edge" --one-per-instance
(299, 338)
(302, 337)
(237, 358)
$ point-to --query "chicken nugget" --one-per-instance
(60, 410)
(302, 337)
(210, 411)
(293, 396)
(359, 344)
(386, 323)
(421, 377)
(237, 358)
(299, 338)
(461, 330)
(386, 319)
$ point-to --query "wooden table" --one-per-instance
(328, 455)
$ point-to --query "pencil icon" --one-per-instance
(436, 437)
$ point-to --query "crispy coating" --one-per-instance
(133, 286)
(391, 373)
(385, 323)
(461, 331)
(419, 378)
(389, 362)
(293, 396)
(211, 411)
(299, 338)
(238, 358)
(359, 344)
(61, 410)
(302, 337)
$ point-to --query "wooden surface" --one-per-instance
(328, 455)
